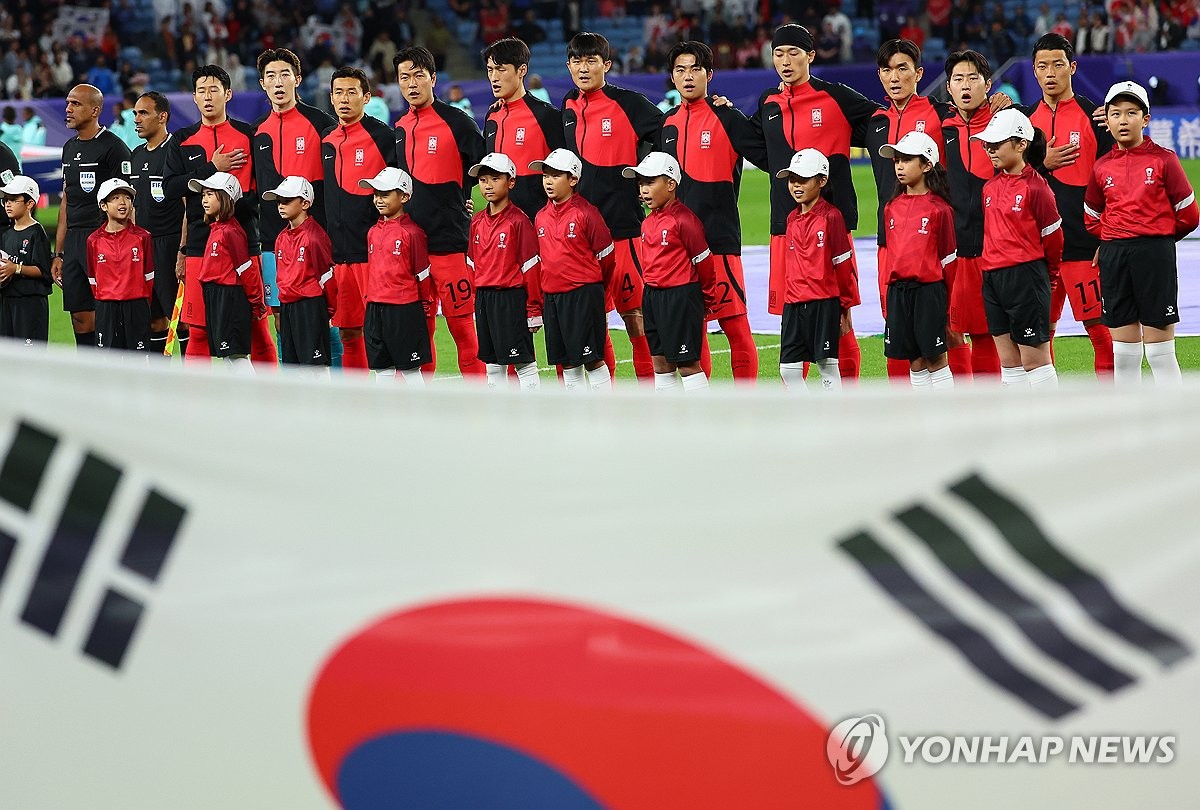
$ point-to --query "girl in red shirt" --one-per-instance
(920, 231)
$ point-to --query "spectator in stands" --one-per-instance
(1000, 45)
(913, 32)
(891, 17)
(1099, 36)
(1043, 22)
(102, 77)
(381, 51)
(188, 48)
(829, 45)
(655, 59)
(64, 74)
(165, 43)
(438, 40)
(748, 54)
(351, 32)
(493, 21)
(528, 30)
(456, 98)
(537, 89)
(842, 27)
(1145, 26)
(656, 28)
(634, 61)
(20, 84)
(572, 19)
(1062, 27)
(1019, 23)
(33, 131)
(10, 132)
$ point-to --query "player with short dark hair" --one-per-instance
(710, 142)
(159, 203)
(609, 127)
(1074, 143)
(92, 156)
(1139, 203)
(120, 268)
(436, 143)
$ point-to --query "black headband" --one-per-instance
(792, 34)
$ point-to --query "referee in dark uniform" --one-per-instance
(91, 157)
(159, 205)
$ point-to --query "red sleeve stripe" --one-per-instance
(1185, 202)
(701, 257)
(525, 268)
(946, 260)
(1049, 229)
(843, 257)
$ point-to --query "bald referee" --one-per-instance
(93, 156)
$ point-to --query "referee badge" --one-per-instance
(156, 190)
(87, 181)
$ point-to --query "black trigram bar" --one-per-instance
(883, 567)
(25, 465)
(113, 628)
(970, 569)
(68, 548)
(152, 535)
(1022, 532)
(8, 544)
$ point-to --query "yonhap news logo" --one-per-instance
(92, 551)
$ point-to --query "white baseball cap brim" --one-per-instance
(560, 160)
(912, 145)
(390, 179)
(112, 186)
(220, 181)
(655, 164)
(1006, 124)
(1131, 90)
(496, 161)
(291, 188)
(805, 163)
(20, 184)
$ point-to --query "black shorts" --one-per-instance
(25, 318)
(166, 286)
(1139, 282)
(575, 326)
(916, 320)
(397, 336)
(304, 332)
(502, 325)
(123, 325)
(674, 320)
(1017, 302)
(228, 319)
(811, 331)
(76, 291)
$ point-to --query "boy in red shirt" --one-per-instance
(1139, 203)
(576, 249)
(304, 278)
(399, 293)
(819, 282)
(502, 249)
(120, 268)
(678, 273)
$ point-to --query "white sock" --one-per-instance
(1164, 364)
(497, 376)
(385, 376)
(599, 379)
(528, 377)
(666, 383)
(942, 378)
(793, 377)
(1013, 377)
(919, 379)
(413, 377)
(1043, 377)
(1127, 363)
(695, 382)
(240, 365)
(573, 379)
(831, 378)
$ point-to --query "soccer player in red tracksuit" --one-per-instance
(1022, 248)
(436, 144)
(606, 126)
(287, 143)
(679, 276)
(1074, 143)
(820, 285)
(120, 269)
(358, 148)
(217, 143)
(307, 288)
(810, 113)
(920, 225)
(502, 249)
(1139, 203)
(969, 167)
(398, 287)
(710, 142)
(900, 70)
(231, 281)
(576, 250)
(519, 125)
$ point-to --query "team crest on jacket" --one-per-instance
(136, 257)
(520, 136)
(100, 259)
(213, 250)
(502, 240)
(87, 181)
(706, 139)
(396, 249)
(920, 126)
(432, 145)
(924, 226)
(571, 230)
(664, 241)
(1149, 175)
(820, 239)
(300, 145)
(606, 127)
(816, 117)
(1075, 138)
(156, 190)
(300, 256)
(1017, 202)
(358, 157)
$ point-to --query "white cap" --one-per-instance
(20, 184)
(560, 160)
(497, 161)
(390, 179)
(221, 181)
(1006, 124)
(655, 164)
(914, 144)
(806, 163)
(108, 187)
(1132, 89)
(291, 188)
